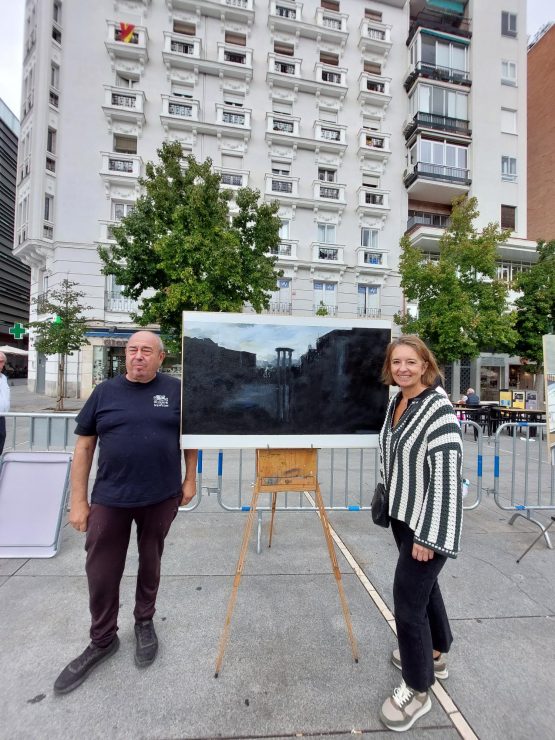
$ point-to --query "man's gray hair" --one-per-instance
(156, 336)
(469, 391)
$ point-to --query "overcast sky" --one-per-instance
(11, 42)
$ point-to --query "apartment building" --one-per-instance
(361, 118)
(14, 275)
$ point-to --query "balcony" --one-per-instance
(285, 16)
(374, 90)
(328, 253)
(185, 53)
(282, 187)
(330, 137)
(234, 119)
(374, 145)
(324, 309)
(179, 113)
(181, 51)
(433, 122)
(123, 104)
(372, 259)
(286, 250)
(369, 313)
(115, 302)
(372, 202)
(239, 11)
(331, 26)
(434, 72)
(426, 229)
(331, 192)
(234, 179)
(328, 26)
(279, 307)
(285, 72)
(436, 20)
(118, 169)
(436, 183)
(282, 127)
(375, 38)
(134, 50)
(106, 234)
(235, 61)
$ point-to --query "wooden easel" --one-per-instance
(284, 471)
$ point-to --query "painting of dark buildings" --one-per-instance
(283, 378)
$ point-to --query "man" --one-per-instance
(472, 398)
(4, 401)
(136, 419)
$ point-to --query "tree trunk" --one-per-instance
(61, 383)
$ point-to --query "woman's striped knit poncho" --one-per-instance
(426, 477)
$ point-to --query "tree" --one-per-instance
(181, 244)
(462, 306)
(64, 332)
(536, 306)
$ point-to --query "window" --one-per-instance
(508, 121)
(284, 229)
(325, 293)
(508, 217)
(369, 238)
(48, 207)
(125, 144)
(326, 174)
(187, 29)
(180, 91)
(327, 115)
(508, 168)
(124, 81)
(51, 141)
(120, 210)
(285, 12)
(440, 101)
(231, 162)
(280, 168)
(57, 12)
(368, 300)
(508, 72)
(508, 23)
(235, 100)
(239, 39)
(327, 58)
(56, 35)
(373, 15)
(439, 154)
(279, 106)
(54, 76)
(330, 4)
(373, 68)
(326, 233)
(443, 55)
(285, 49)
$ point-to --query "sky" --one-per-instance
(11, 42)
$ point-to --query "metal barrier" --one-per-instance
(39, 432)
(530, 480)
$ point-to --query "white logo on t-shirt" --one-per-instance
(161, 401)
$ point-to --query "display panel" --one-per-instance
(272, 381)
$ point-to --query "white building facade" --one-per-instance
(362, 118)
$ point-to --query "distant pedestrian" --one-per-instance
(4, 400)
(136, 418)
(421, 468)
(472, 398)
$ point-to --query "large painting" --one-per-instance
(272, 381)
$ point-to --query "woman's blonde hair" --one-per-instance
(411, 340)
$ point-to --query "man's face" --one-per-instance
(143, 357)
(2, 361)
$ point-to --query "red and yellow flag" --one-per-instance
(126, 32)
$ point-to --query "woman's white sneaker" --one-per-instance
(440, 664)
(405, 705)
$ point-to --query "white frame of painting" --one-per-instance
(279, 441)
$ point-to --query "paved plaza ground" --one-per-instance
(288, 670)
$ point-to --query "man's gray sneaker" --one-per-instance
(440, 664)
(77, 671)
(146, 643)
(405, 705)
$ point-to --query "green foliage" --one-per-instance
(462, 306)
(64, 332)
(322, 309)
(181, 244)
(536, 306)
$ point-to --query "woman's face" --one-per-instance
(407, 368)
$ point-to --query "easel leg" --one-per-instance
(274, 497)
(336, 571)
(238, 573)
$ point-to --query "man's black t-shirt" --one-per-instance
(137, 425)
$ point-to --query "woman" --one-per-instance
(421, 466)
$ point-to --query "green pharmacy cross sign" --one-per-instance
(18, 331)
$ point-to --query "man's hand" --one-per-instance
(419, 552)
(79, 515)
(188, 490)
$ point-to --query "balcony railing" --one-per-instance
(371, 258)
(329, 191)
(282, 124)
(41, 300)
(326, 253)
(234, 55)
(331, 20)
(319, 308)
(114, 301)
(375, 37)
(283, 307)
(436, 20)
(436, 220)
(372, 200)
(286, 249)
(330, 74)
(133, 49)
(282, 185)
(438, 123)
(369, 313)
(374, 89)
(374, 144)
(120, 165)
(439, 172)
(435, 72)
(182, 46)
